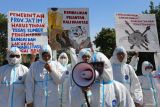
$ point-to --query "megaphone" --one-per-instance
(83, 74)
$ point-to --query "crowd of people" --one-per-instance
(49, 83)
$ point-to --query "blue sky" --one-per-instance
(101, 12)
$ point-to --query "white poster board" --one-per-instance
(68, 27)
(137, 32)
(27, 31)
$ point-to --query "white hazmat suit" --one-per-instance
(148, 85)
(42, 86)
(156, 75)
(65, 86)
(105, 92)
(125, 74)
(12, 80)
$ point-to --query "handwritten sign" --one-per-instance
(68, 27)
(27, 31)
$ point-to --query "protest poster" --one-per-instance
(27, 31)
(137, 32)
(68, 27)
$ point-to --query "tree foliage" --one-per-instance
(3, 33)
(3, 36)
(154, 10)
(105, 40)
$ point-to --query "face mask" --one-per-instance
(14, 61)
(63, 61)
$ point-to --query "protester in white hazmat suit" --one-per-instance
(12, 77)
(125, 74)
(66, 77)
(148, 85)
(156, 75)
(67, 82)
(42, 80)
(85, 55)
(105, 92)
(65, 86)
(63, 59)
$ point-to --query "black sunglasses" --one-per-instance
(45, 54)
(12, 56)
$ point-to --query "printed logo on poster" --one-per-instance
(137, 32)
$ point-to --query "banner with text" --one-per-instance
(137, 32)
(27, 31)
(68, 27)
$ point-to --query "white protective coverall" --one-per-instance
(12, 77)
(105, 92)
(42, 86)
(156, 75)
(65, 86)
(134, 62)
(125, 74)
(148, 85)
